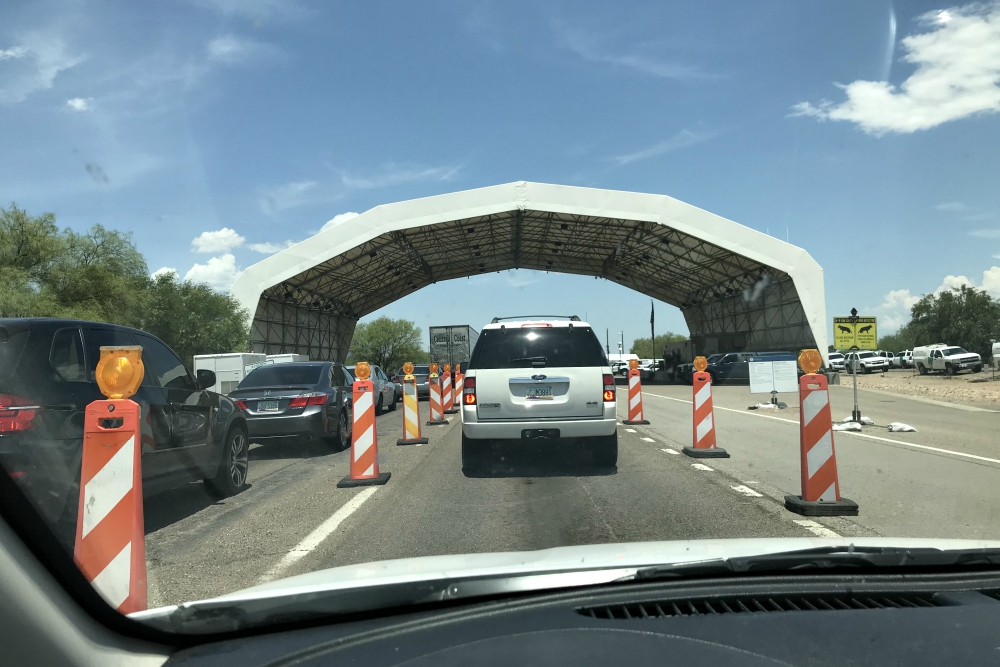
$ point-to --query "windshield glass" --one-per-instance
(213, 211)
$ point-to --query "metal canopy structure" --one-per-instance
(732, 283)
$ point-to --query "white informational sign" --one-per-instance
(771, 376)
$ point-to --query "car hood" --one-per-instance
(617, 559)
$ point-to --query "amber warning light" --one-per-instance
(119, 371)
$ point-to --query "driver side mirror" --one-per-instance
(205, 378)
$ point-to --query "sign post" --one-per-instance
(855, 333)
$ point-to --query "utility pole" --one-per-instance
(652, 332)
(607, 342)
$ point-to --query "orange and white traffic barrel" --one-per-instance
(703, 415)
(364, 436)
(459, 384)
(820, 485)
(448, 402)
(634, 395)
(411, 409)
(110, 546)
(434, 396)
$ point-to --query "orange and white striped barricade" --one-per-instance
(634, 398)
(110, 547)
(459, 384)
(411, 410)
(703, 426)
(434, 398)
(820, 486)
(364, 435)
(449, 404)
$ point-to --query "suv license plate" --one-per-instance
(539, 392)
(267, 406)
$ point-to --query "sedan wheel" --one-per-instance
(232, 472)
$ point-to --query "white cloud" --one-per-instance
(286, 196)
(233, 50)
(219, 241)
(682, 139)
(985, 233)
(80, 103)
(952, 207)
(588, 45)
(957, 75)
(270, 248)
(952, 282)
(337, 219)
(165, 271)
(393, 174)
(219, 273)
(34, 65)
(895, 309)
(256, 9)
(990, 283)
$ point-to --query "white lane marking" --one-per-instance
(648, 439)
(700, 466)
(315, 538)
(849, 433)
(746, 491)
(816, 529)
(630, 430)
(670, 451)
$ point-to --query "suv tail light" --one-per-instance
(609, 387)
(16, 414)
(469, 391)
(307, 399)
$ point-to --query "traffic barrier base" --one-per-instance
(434, 401)
(364, 440)
(703, 446)
(635, 399)
(411, 414)
(820, 485)
(110, 545)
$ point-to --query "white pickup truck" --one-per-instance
(946, 358)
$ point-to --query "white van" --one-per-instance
(996, 356)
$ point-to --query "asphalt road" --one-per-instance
(292, 518)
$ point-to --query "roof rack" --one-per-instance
(571, 318)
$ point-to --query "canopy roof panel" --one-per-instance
(726, 278)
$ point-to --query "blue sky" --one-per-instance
(218, 130)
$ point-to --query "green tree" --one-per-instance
(387, 343)
(962, 316)
(641, 347)
(897, 342)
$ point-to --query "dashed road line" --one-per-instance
(315, 538)
(701, 466)
(815, 528)
(630, 430)
(670, 451)
(747, 491)
(648, 439)
(848, 433)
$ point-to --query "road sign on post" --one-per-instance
(855, 333)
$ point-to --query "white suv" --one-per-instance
(541, 380)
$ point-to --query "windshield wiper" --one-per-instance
(536, 362)
(827, 558)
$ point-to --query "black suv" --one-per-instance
(46, 382)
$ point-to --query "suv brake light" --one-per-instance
(609, 387)
(307, 399)
(469, 391)
(16, 414)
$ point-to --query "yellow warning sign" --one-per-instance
(855, 333)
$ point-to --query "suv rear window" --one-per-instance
(556, 347)
(282, 375)
(11, 345)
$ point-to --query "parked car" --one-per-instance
(867, 361)
(540, 381)
(885, 354)
(46, 382)
(902, 359)
(420, 374)
(684, 371)
(946, 358)
(384, 387)
(836, 361)
(297, 402)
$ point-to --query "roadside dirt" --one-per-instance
(977, 389)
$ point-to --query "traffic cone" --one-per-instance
(110, 546)
(434, 398)
(364, 436)
(447, 392)
(411, 410)
(634, 398)
(820, 486)
(704, 420)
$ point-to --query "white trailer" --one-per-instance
(229, 368)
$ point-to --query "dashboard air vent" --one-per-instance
(752, 604)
